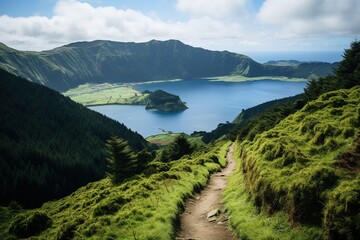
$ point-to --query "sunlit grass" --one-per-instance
(144, 207)
(296, 169)
(101, 94)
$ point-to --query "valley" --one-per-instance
(69, 172)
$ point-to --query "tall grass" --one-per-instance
(297, 169)
(144, 207)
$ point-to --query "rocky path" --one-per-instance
(204, 216)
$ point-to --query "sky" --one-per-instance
(234, 25)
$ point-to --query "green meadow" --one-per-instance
(106, 93)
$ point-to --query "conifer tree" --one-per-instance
(122, 162)
(180, 147)
(346, 75)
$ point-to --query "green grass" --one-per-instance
(297, 168)
(144, 207)
(165, 139)
(249, 223)
(101, 94)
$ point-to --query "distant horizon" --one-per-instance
(302, 56)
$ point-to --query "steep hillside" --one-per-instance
(50, 145)
(106, 61)
(144, 207)
(308, 167)
(252, 112)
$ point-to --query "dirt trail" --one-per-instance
(196, 222)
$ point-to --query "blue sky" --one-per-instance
(234, 25)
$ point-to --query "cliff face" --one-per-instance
(165, 102)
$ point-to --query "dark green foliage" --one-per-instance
(49, 145)
(306, 197)
(30, 224)
(342, 212)
(307, 165)
(252, 112)
(350, 158)
(122, 162)
(143, 159)
(106, 61)
(109, 206)
(178, 148)
(67, 230)
(347, 74)
(156, 167)
(348, 70)
(248, 129)
(221, 130)
(164, 101)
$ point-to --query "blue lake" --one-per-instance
(209, 102)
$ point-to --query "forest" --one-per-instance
(50, 145)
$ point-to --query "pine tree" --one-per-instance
(122, 162)
(180, 147)
(348, 70)
(347, 74)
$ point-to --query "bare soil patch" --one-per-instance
(204, 216)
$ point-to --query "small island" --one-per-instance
(163, 101)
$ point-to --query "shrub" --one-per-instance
(26, 225)
(67, 231)
(110, 206)
(342, 212)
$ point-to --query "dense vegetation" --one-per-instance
(164, 101)
(303, 163)
(346, 75)
(108, 62)
(301, 166)
(49, 145)
(145, 206)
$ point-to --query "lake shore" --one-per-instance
(126, 94)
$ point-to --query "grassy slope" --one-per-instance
(165, 139)
(298, 169)
(145, 207)
(106, 93)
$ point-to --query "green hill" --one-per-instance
(308, 166)
(50, 145)
(144, 207)
(109, 62)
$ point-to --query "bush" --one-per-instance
(67, 231)
(111, 206)
(26, 225)
(342, 212)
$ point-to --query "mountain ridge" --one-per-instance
(103, 61)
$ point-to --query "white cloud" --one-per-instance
(78, 21)
(307, 17)
(73, 20)
(214, 8)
